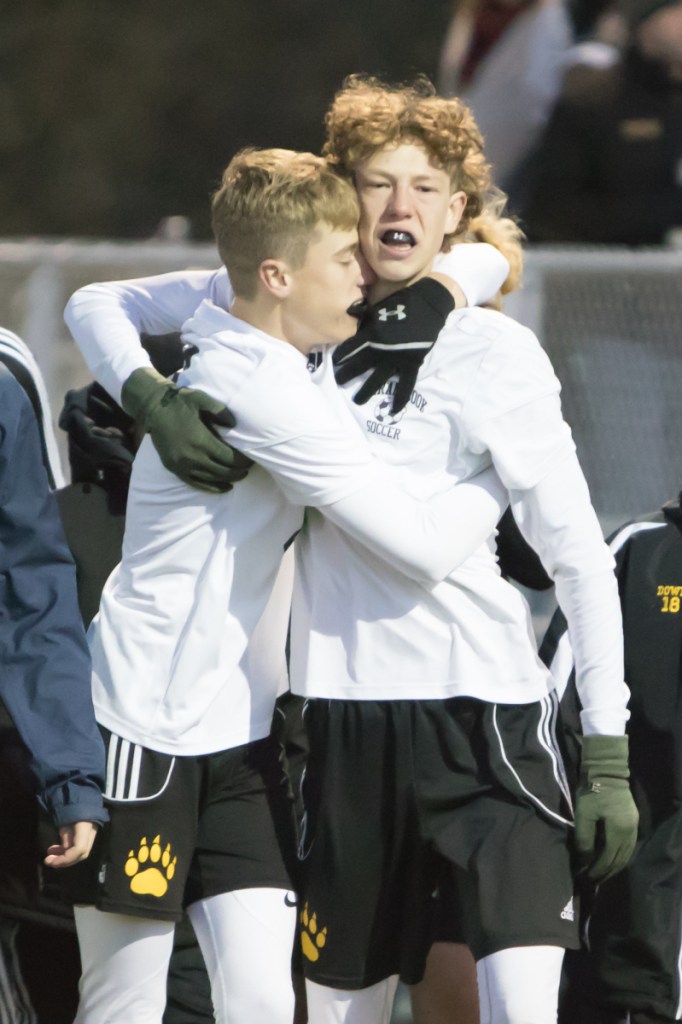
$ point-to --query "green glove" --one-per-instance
(605, 814)
(179, 422)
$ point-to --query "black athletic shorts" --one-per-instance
(393, 790)
(187, 828)
(446, 913)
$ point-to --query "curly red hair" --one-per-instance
(367, 114)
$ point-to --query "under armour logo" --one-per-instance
(398, 312)
(187, 352)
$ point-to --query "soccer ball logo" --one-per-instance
(383, 414)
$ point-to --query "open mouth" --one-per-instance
(401, 241)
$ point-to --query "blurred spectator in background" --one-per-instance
(504, 58)
(609, 168)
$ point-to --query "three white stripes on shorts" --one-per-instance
(124, 763)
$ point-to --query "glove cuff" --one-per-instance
(435, 294)
(604, 757)
(140, 389)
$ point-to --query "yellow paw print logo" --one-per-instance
(313, 938)
(151, 868)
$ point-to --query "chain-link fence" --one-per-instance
(611, 322)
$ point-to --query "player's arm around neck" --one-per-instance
(425, 540)
(107, 318)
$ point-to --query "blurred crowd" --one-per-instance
(580, 105)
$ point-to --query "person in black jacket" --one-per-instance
(634, 923)
(609, 167)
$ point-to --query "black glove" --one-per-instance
(101, 435)
(393, 339)
(101, 440)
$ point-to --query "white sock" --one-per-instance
(247, 939)
(520, 985)
(371, 1005)
(124, 967)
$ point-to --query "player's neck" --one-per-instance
(265, 316)
(382, 287)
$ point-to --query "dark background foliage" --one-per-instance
(117, 113)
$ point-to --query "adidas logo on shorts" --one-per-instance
(568, 914)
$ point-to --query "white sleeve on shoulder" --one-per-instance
(478, 268)
(513, 409)
(557, 518)
(106, 319)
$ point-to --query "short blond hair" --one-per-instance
(367, 115)
(269, 204)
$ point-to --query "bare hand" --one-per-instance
(76, 844)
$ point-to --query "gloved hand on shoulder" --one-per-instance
(394, 337)
(180, 421)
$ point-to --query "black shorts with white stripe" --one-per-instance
(398, 793)
(187, 828)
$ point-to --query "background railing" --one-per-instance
(610, 320)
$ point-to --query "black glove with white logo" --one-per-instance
(393, 339)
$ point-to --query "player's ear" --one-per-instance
(458, 201)
(275, 276)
